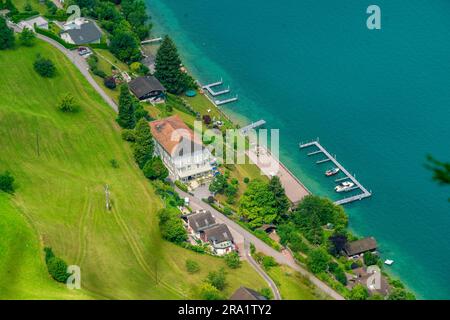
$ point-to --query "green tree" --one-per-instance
(11, 7)
(68, 104)
(192, 266)
(168, 64)
(282, 202)
(27, 7)
(171, 226)
(209, 292)
(44, 67)
(125, 46)
(6, 35)
(126, 118)
(318, 260)
(144, 145)
(27, 37)
(370, 259)
(155, 169)
(359, 292)
(217, 279)
(258, 204)
(6, 182)
(58, 269)
(233, 260)
(135, 12)
(218, 184)
(268, 262)
(401, 294)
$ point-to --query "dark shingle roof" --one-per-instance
(244, 293)
(199, 221)
(144, 85)
(361, 246)
(218, 233)
(87, 33)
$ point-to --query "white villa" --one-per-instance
(183, 154)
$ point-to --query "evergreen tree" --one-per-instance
(168, 64)
(27, 37)
(144, 145)
(126, 118)
(6, 35)
(282, 202)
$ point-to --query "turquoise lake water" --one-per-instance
(379, 100)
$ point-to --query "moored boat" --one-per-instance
(332, 172)
(344, 186)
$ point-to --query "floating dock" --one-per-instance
(254, 125)
(213, 93)
(209, 88)
(321, 150)
(221, 102)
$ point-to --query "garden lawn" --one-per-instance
(61, 163)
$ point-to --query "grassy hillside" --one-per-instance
(61, 163)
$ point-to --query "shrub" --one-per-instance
(44, 67)
(370, 259)
(209, 292)
(181, 186)
(68, 104)
(27, 37)
(99, 73)
(233, 260)
(110, 82)
(267, 293)
(114, 163)
(58, 269)
(128, 135)
(217, 279)
(359, 292)
(268, 262)
(155, 169)
(6, 182)
(192, 266)
(171, 226)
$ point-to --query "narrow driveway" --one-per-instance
(262, 273)
(260, 245)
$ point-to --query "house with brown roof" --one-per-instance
(244, 293)
(180, 149)
(147, 88)
(219, 237)
(361, 246)
(199, 221)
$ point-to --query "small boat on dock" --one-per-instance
(344, 186)
(332, 172)
(389, 262)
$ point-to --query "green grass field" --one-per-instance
(61, 163)
(293, 286)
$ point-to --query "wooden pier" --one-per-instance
(209, 88)
(152, 40)
(365, 193)
(254, 125)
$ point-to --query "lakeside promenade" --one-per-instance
(271, 166)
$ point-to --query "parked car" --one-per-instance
(83, 51)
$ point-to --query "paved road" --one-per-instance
(262, 246)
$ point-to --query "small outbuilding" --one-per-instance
(147, 87)
(358, 247)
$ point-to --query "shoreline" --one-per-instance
(196, 75)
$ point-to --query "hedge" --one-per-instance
(53, 36)
(23, 15)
